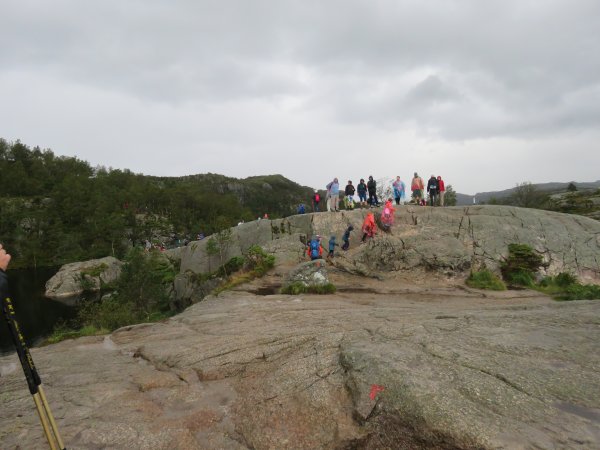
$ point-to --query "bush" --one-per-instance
(258, 260)
(565, 286)
(520, 277)
(300, 288)
(565, 279)
(95, 271)
(231, 266)
(520, 266)
(255, 264)
(580, 292)
(485, 279)
(62, 331)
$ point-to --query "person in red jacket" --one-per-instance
(368, 227)
(441, 189)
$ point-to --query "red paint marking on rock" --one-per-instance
(375, 389)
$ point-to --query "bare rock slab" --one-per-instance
(434, 368)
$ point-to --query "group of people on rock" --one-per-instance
(436, 189)
(314, 248)
(367, 193)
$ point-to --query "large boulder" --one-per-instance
(447, 240)
(308, 274)
(195, 257)
(74, 278)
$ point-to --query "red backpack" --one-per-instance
(317, 198)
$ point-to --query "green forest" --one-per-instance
(57, 209)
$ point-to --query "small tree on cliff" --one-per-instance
(219, 242)
(450, 196)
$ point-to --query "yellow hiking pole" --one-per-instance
(33, 379)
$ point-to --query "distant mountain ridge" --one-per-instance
(484, 197)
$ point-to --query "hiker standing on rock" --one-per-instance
(372, 187)
(432, 189)
(333, 189)
(399, 190)
(441, 189)
(417, 187)
(362, 193)
(349, 195)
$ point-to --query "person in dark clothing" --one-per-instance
(432, 188)
(362, 193)
(346, 238)
(4, 260)
(372, 187)
(349, 195)
(332, 245)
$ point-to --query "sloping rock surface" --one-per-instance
(381, 364)
(445, 240)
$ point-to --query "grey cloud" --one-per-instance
(459, 70)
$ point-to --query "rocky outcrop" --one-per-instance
(404, 357)
(308, 274)
(282, 237)
(444, 240)
(394, 366)
(75, 278)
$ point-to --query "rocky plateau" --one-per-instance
(403, 356)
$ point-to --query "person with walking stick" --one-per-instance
(33, 379)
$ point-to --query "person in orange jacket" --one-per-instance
(368, 227)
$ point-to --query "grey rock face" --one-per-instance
(71, 279)
(445, 240)
(400, 367)
(309, 273)
(282, 237)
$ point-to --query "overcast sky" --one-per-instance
(485, 93)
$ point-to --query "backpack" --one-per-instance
(314, 248)
(317, 198)
(301, 209)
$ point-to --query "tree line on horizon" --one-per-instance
(58, 209)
